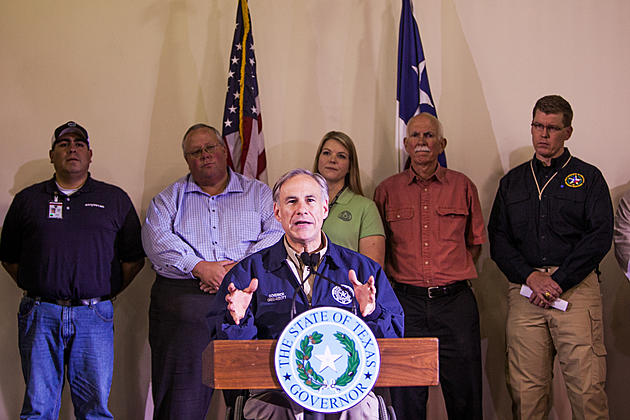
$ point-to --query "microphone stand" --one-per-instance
(311, 261)
(295, 291)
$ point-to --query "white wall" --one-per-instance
(137, 74)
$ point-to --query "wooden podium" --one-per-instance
(248, 364)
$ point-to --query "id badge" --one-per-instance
(55, 210)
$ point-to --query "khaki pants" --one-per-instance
(534, 337)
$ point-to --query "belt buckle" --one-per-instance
(89, 302)
(430, 291)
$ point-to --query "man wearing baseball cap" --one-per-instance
(71, 243)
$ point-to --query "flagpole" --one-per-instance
(242, 120)
(413, 93)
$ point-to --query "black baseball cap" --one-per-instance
(70, 127)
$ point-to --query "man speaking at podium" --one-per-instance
(255, 298)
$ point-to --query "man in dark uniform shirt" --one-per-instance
(71, 243)
(551, 224)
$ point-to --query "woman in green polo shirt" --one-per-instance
(353, 220)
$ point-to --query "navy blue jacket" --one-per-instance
(270, 308)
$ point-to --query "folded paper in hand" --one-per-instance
(559, 304)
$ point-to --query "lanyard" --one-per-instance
(334, 200)
(540, 191)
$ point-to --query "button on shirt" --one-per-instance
(568, 223)
(185, 225)
(76, 253)
(429, 225)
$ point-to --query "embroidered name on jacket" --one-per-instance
(274, 297)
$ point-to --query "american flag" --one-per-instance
(413, 94)
(242, 120)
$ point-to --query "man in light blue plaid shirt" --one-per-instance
(195, 231)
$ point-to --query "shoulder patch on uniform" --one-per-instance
(574, 180)
(342, 295)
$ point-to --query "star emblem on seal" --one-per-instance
(327, 359)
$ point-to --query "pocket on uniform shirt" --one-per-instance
(567, 212)
(518, 210)
(452, 223)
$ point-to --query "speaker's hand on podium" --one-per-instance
(238, 300)
(365, 293)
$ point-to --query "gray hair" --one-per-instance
(295, 172)
(200, 126)
(436, 121)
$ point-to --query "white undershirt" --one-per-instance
(67, 191)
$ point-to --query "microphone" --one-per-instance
(299, 286)
(311, 261)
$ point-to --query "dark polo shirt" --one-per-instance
(76, 256)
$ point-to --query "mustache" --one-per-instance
(422, 148)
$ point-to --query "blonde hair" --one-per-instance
(353, 178)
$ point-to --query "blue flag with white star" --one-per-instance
(413, 94)
(242, 122)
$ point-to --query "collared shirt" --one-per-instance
(429, 226)
(73, 252)
(297, 266)
(557, 216)
(351, 218)
(185, 225)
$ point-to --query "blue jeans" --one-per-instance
(56, 339)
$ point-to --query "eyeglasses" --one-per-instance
(551, 128)
(208, 148)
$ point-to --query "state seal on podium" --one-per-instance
(327, 360)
